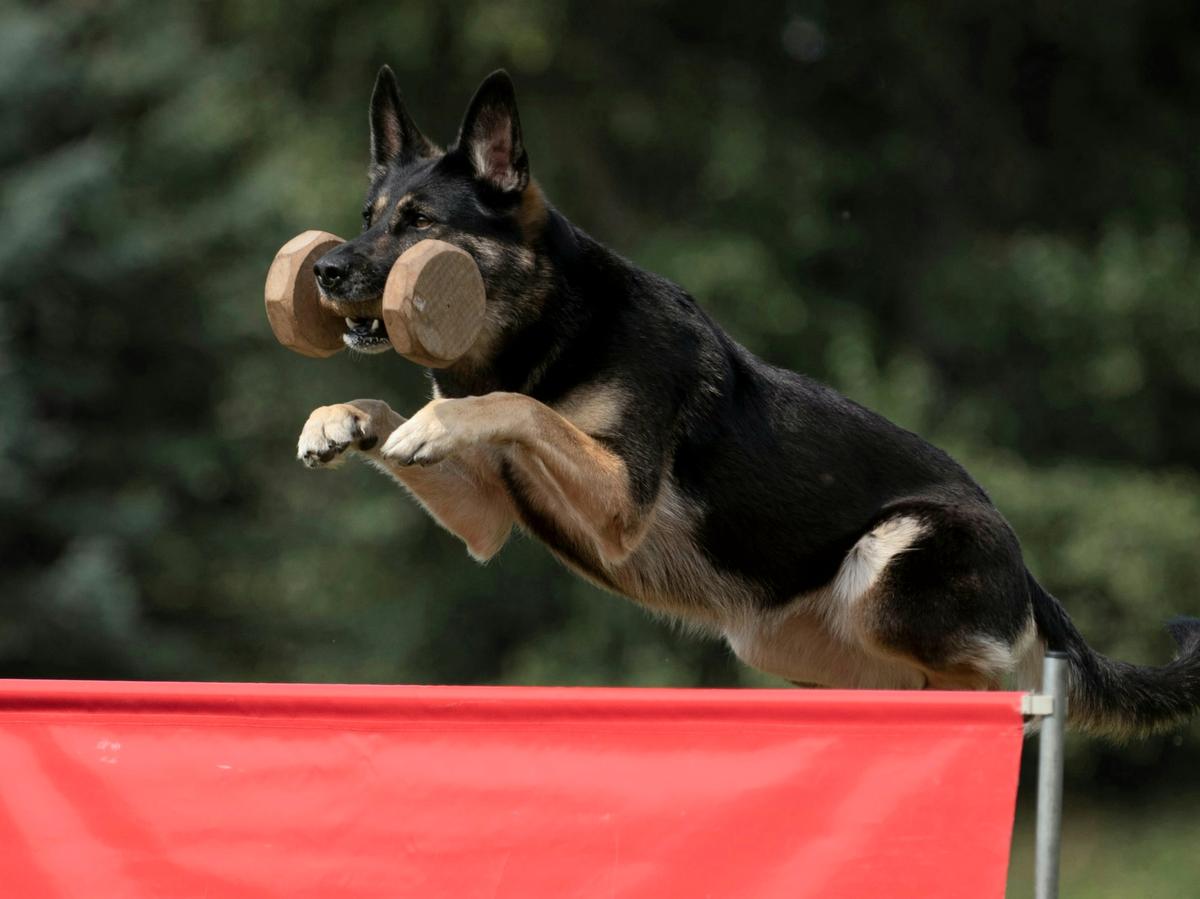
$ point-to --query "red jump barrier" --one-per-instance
(187, 790)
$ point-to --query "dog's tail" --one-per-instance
(1116, 699)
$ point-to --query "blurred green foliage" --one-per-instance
(1116, 851)
(974, 218)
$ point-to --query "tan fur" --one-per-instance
(593, 408)
(486, 253)
(401, 206)
(964, 677)
(462, 494)
(668, 573)
(464, 497)
(532, 213)
(796, 643)
(991, 658)
(576, 479)
(1028, 653)
(647, 554)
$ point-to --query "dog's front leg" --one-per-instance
(462, 493)
(576, 479)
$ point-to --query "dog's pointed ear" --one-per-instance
(490, 135)
(395, 137)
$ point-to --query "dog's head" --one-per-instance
(476, 195)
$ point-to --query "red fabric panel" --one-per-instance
(239, 790)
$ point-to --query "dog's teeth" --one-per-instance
(349, 322)
(374, 325)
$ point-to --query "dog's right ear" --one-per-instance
(395, 137)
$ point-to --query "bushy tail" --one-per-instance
(1116, 699)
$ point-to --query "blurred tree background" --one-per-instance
(976, 219)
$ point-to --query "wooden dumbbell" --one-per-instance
(433, 302)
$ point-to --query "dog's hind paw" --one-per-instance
(330, 431)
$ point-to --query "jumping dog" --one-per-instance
(602, 410)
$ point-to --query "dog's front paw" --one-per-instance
(331, 430)
(428, 437)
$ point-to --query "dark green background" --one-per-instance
(976, 218)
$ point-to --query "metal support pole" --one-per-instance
(1048, 841)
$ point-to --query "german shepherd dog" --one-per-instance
(602, 410)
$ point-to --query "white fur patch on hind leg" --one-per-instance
(862, 566)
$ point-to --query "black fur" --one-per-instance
(786, 474)
(1116, 698)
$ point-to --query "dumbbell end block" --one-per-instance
(433, 304)
(293, 300)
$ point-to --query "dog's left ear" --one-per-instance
(490, 135)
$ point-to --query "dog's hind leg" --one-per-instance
(949, 595)
(463, 493)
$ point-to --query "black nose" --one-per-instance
(329, 272)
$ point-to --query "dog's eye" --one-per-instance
(421, 222)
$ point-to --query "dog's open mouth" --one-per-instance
(366, 335)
